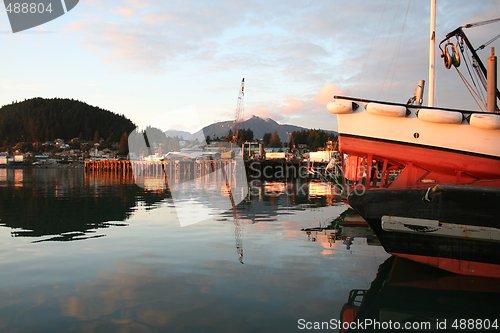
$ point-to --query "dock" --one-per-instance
(169, 168)
(255, 169)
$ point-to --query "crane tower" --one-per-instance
(238, 117)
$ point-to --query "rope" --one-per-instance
(488, 43)
(466, 58)
(471, 90)
(479, 77)
(477, 24)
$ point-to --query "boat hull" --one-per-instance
(454, 228)
(426, 164)
(412, 131)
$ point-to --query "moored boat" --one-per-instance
(426, 178)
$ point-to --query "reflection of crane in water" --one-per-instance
(238, 232)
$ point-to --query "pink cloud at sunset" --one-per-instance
(326, 93)
(292, 105)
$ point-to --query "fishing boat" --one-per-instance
(427, 178)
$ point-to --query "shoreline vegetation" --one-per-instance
(57, 132)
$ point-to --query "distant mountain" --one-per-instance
(42, 119)
(258, 125)
(180, 134)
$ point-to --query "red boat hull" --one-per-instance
(424, 165)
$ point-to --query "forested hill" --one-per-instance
(41, 119)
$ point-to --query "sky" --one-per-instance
(178, 64)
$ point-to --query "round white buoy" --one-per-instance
(440, 116)
(386, 110)
(486, 121)
(340, 107)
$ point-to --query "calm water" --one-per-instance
(99, 254)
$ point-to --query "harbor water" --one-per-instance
(96, 253)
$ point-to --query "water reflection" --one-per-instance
(153, 275)
(71, 205)
(65, 204)
(406, 292)
(135, 297)
(268, 200)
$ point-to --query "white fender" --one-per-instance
(340, 107)
(386, 110)
(440, 116)
(486, 121)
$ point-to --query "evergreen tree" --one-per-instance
(123, 146)
(274, 140)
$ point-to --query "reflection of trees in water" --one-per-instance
(69, 204)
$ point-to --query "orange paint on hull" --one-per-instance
(462, 267)
(451, 165)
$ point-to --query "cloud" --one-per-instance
(125, 12)
(266, 112)
(139, 36)
(326, 93)
(292, 52)
(323, 41)
(292, 105)
(309, 109)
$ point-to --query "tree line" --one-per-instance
(243, 136)
(40, 120)
(312, 138)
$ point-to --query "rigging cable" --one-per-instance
(371, 49)
(488, 43)
(478, 75)
(391, 72)
(466, 58)
(480, 23)
(471, 90)
(477, 94)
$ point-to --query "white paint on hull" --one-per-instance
(440, 229)
(460, 137)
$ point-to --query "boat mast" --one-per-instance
(432, 46)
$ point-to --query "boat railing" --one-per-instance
(411, 106)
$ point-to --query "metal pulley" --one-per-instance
(450, 55)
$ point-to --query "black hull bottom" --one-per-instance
(470, 208)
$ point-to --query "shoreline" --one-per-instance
(40, 166)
